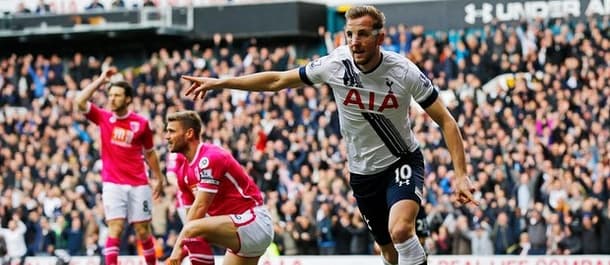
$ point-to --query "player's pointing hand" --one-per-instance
(464, 190)
(200, 86)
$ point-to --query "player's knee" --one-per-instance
(142, 230)
(115, 228)
(402, 231)
(190, 230)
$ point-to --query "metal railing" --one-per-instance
(177, 19)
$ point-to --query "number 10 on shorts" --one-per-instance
(403, 175)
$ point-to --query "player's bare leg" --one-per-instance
(219, 230)
(402, 231)
(143, 234)
(231, 258)
(389, 254)
(111, 251)
(142, 230)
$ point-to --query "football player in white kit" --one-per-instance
(373, 90)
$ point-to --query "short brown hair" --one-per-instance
(373, 12)
(125, 86)
(188, 119)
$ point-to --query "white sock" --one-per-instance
(385, 262)
(410, 252)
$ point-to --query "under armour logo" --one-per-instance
(485, 13)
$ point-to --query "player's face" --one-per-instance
(175, 136)
(117, 99)
(364, 41)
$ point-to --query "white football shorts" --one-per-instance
(255, 231)
(133, 203)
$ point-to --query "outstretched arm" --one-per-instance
(265, 81)
(84, 96)
(463, 187)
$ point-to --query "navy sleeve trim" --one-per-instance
(429, 100)
(303, 76)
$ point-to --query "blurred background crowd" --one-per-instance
(531, 100)
(46, 7)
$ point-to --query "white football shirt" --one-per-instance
(373, 106)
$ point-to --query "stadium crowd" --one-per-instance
(51, 7)
(531, 99)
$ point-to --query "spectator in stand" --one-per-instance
(42, 8)
(324, 221)
(14, 236)
(536, 230)
(524, 246)
(571, 244)
(461, 244)
(117, 4)
(480, 242)
(149, 3)
(47, 247)
(361, 238)
(288, 241)
(305, 235)
(95, 5)
(442, 242)
(33, 235)
(590, 234)
(39, 74)
(604, 220)
(22, 9)
(75, 237)
(342, 231)
(3, 251)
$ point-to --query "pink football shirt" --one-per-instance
(178, 166)
(124, 139)
(215, 170)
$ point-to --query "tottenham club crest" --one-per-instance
(204, 162)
